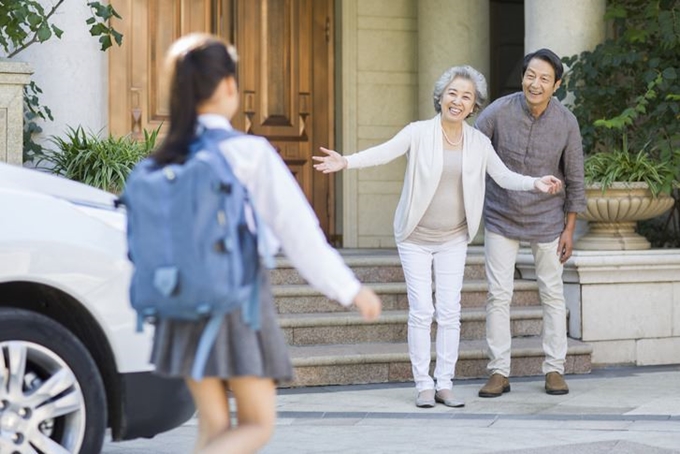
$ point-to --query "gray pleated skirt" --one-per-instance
(238, 350)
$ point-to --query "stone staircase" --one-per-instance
(330, 345)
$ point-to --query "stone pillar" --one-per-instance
(13, 77)
(565, 27)
(450, 33)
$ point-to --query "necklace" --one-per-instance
(457, 142)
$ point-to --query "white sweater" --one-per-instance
(421, 142)
(282, 206)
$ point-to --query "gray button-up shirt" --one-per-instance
(548, 145)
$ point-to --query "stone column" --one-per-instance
(565, 27)
(13, 77)
(450, 33)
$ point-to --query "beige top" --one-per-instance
(444, 218)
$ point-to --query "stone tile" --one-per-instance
(578, 364)
(626, 311)
(676, 309)
(379, 274)
(305, 304)
(599, 447)
(349, 334)
(613, 352)
(658, 351)
(400, 372)
(347, 374)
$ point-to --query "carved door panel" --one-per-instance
(285, 75)
(137, 83)
(286, 83)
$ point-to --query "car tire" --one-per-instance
(68, 414)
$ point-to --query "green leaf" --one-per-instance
(615, 12)
(117, 36)
(44, 33)
(105, 41)
(98, 29)
(57, 31)
(669, 74)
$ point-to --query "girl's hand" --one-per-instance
(548, 184)
(368, 303)
(334, 162)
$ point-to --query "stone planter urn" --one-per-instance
(613, 216)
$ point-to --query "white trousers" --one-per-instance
(501, 255)
(448, 261)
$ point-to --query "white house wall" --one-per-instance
(72, 72)
(379, 97)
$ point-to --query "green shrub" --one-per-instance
(626, 97)
(100, 162)
(632, 78)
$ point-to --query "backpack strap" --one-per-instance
(205, 344)
(251, 315)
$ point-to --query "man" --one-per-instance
(534, 135)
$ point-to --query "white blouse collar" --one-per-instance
(213, 121)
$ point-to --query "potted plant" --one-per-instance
(626, 97)
(622, 188)
(103, 162)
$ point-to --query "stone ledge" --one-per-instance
(585, 267)
(626, 303)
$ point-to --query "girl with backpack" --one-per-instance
(249, 363)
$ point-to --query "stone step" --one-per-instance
(343, 364)
(302, 298)
(374, 266)
(349, 328)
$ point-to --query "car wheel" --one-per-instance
(52, 397)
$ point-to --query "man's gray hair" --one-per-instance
(464, 72)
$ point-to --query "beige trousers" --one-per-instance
(501, 255)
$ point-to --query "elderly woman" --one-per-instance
(438, 215)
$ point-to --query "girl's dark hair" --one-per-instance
(197, 63)
(547, 56)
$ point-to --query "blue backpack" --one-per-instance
(192, 238)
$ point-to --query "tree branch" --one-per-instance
(35, 35)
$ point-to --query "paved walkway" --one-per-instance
(619, 410)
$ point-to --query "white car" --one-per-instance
(71, 363)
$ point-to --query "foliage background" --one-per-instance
(626, 97)
(29, 22)
(102, 162)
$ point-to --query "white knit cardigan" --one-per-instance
(421, 142)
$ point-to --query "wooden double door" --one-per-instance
(285, 75)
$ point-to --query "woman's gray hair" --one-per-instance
(464, 72)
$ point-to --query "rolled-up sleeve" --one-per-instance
(572, 161)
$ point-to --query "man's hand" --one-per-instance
(566, 245)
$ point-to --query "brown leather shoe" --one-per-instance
(555, 384)
(495, 386)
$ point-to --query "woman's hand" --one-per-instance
(368, 303)
(334, 162)
(549, 184)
